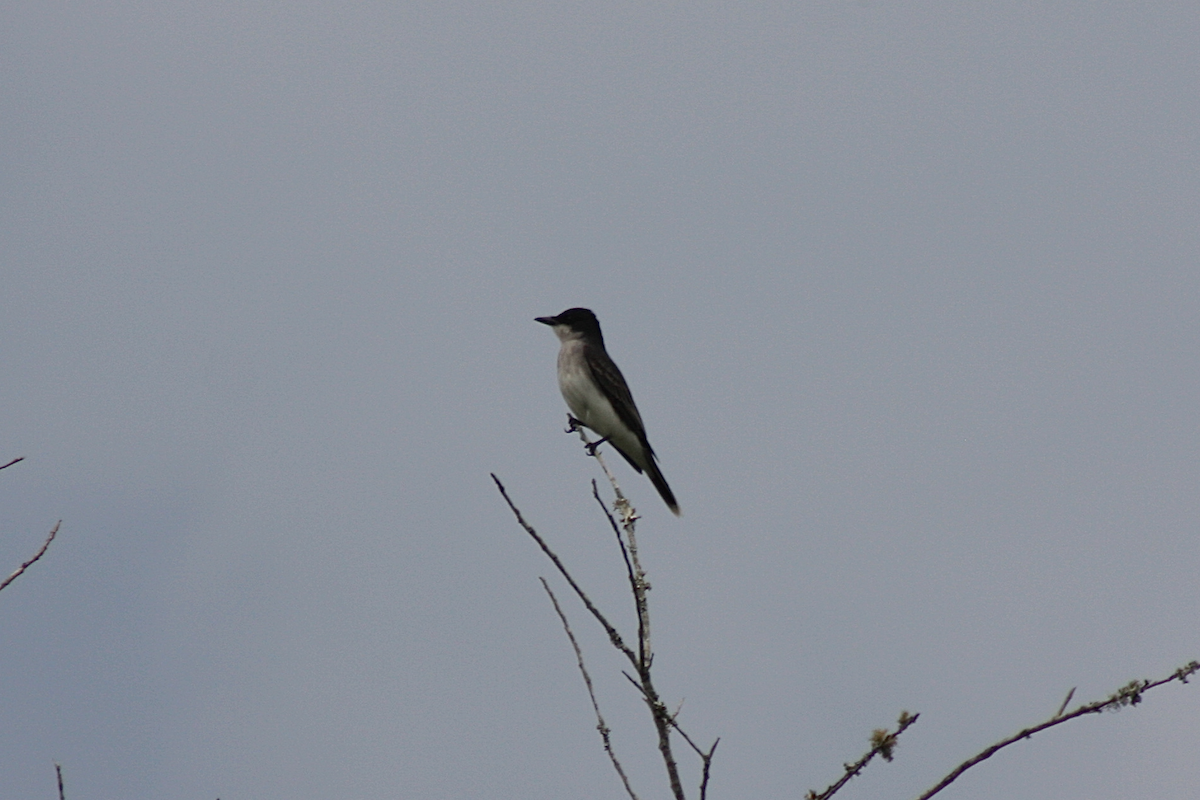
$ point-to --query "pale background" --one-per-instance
(907, 293)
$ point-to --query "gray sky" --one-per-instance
(907, 294)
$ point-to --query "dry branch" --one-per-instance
(587, 679)
(643, 659)
(613, 635)
(1128, 695)
(39, 554)
(883, 744)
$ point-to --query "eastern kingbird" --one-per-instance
(598, 396)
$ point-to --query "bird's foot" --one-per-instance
(591, 446)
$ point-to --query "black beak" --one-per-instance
(546, 320)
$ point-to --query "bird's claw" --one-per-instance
(574, 426)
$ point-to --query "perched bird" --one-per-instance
(598, 396)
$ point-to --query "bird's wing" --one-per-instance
(610, 380)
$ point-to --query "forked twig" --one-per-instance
(663, 720)
(638, 585)
(613, 635)
(643, 659)
(706, 756)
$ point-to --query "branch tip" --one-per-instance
(1128, 695)
(36, 556)
(14, 461)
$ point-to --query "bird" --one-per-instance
(596, 393)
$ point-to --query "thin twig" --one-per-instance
(883, 743)
(640, 664)
(688, 739)
(628, 542)
(1066, 700)
(587, 679)
(706, 756)
(671, 719)
(662, 723)
(58, 769)
(14, 461)
(630, 570)
(617, 531)
(613, 635)
(574, 426)
(642, 661)
(1128, 695)
(40, 553)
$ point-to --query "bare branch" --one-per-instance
(58, 770)
(574, 426)
(632, 571)
(671, 719)
(1128, 695)
(641, 662)
(706, 756)
(613, 635)
(663, 721)
(39, 554)
(14, 461)
(883, 744)
(643, 659)
(587, 679)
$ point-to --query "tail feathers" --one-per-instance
(651, 470)
(660, 483)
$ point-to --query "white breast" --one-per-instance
(588, 404)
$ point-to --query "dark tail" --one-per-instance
(660, 483)
(651, 470)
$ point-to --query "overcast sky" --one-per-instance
(908, 295)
